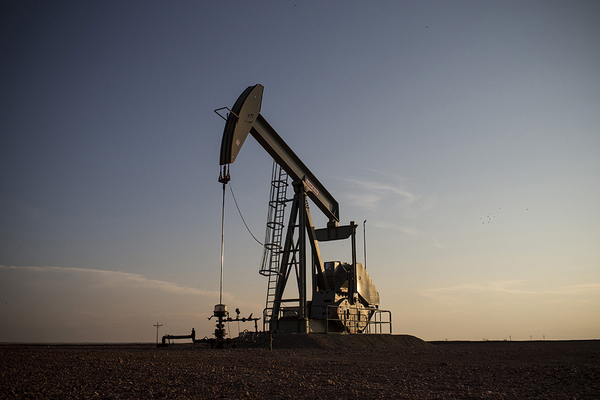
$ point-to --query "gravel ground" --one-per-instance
(329, 368)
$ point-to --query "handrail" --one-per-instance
(378, 324)
(375, 322)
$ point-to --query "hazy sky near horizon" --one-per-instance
(466, 133)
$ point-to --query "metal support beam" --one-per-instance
(291, 163)
(320, 282)
(302, 240)
(353, 286)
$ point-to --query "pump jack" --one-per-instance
(344, 298)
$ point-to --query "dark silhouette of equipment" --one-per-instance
(344, 298)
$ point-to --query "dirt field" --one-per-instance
(323, 367)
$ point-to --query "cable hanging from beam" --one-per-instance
(242, 217)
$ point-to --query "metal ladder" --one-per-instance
(273, 236)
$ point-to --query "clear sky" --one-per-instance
(466, 133)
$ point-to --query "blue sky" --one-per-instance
(466, 133)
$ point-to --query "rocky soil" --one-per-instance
(320, 367)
